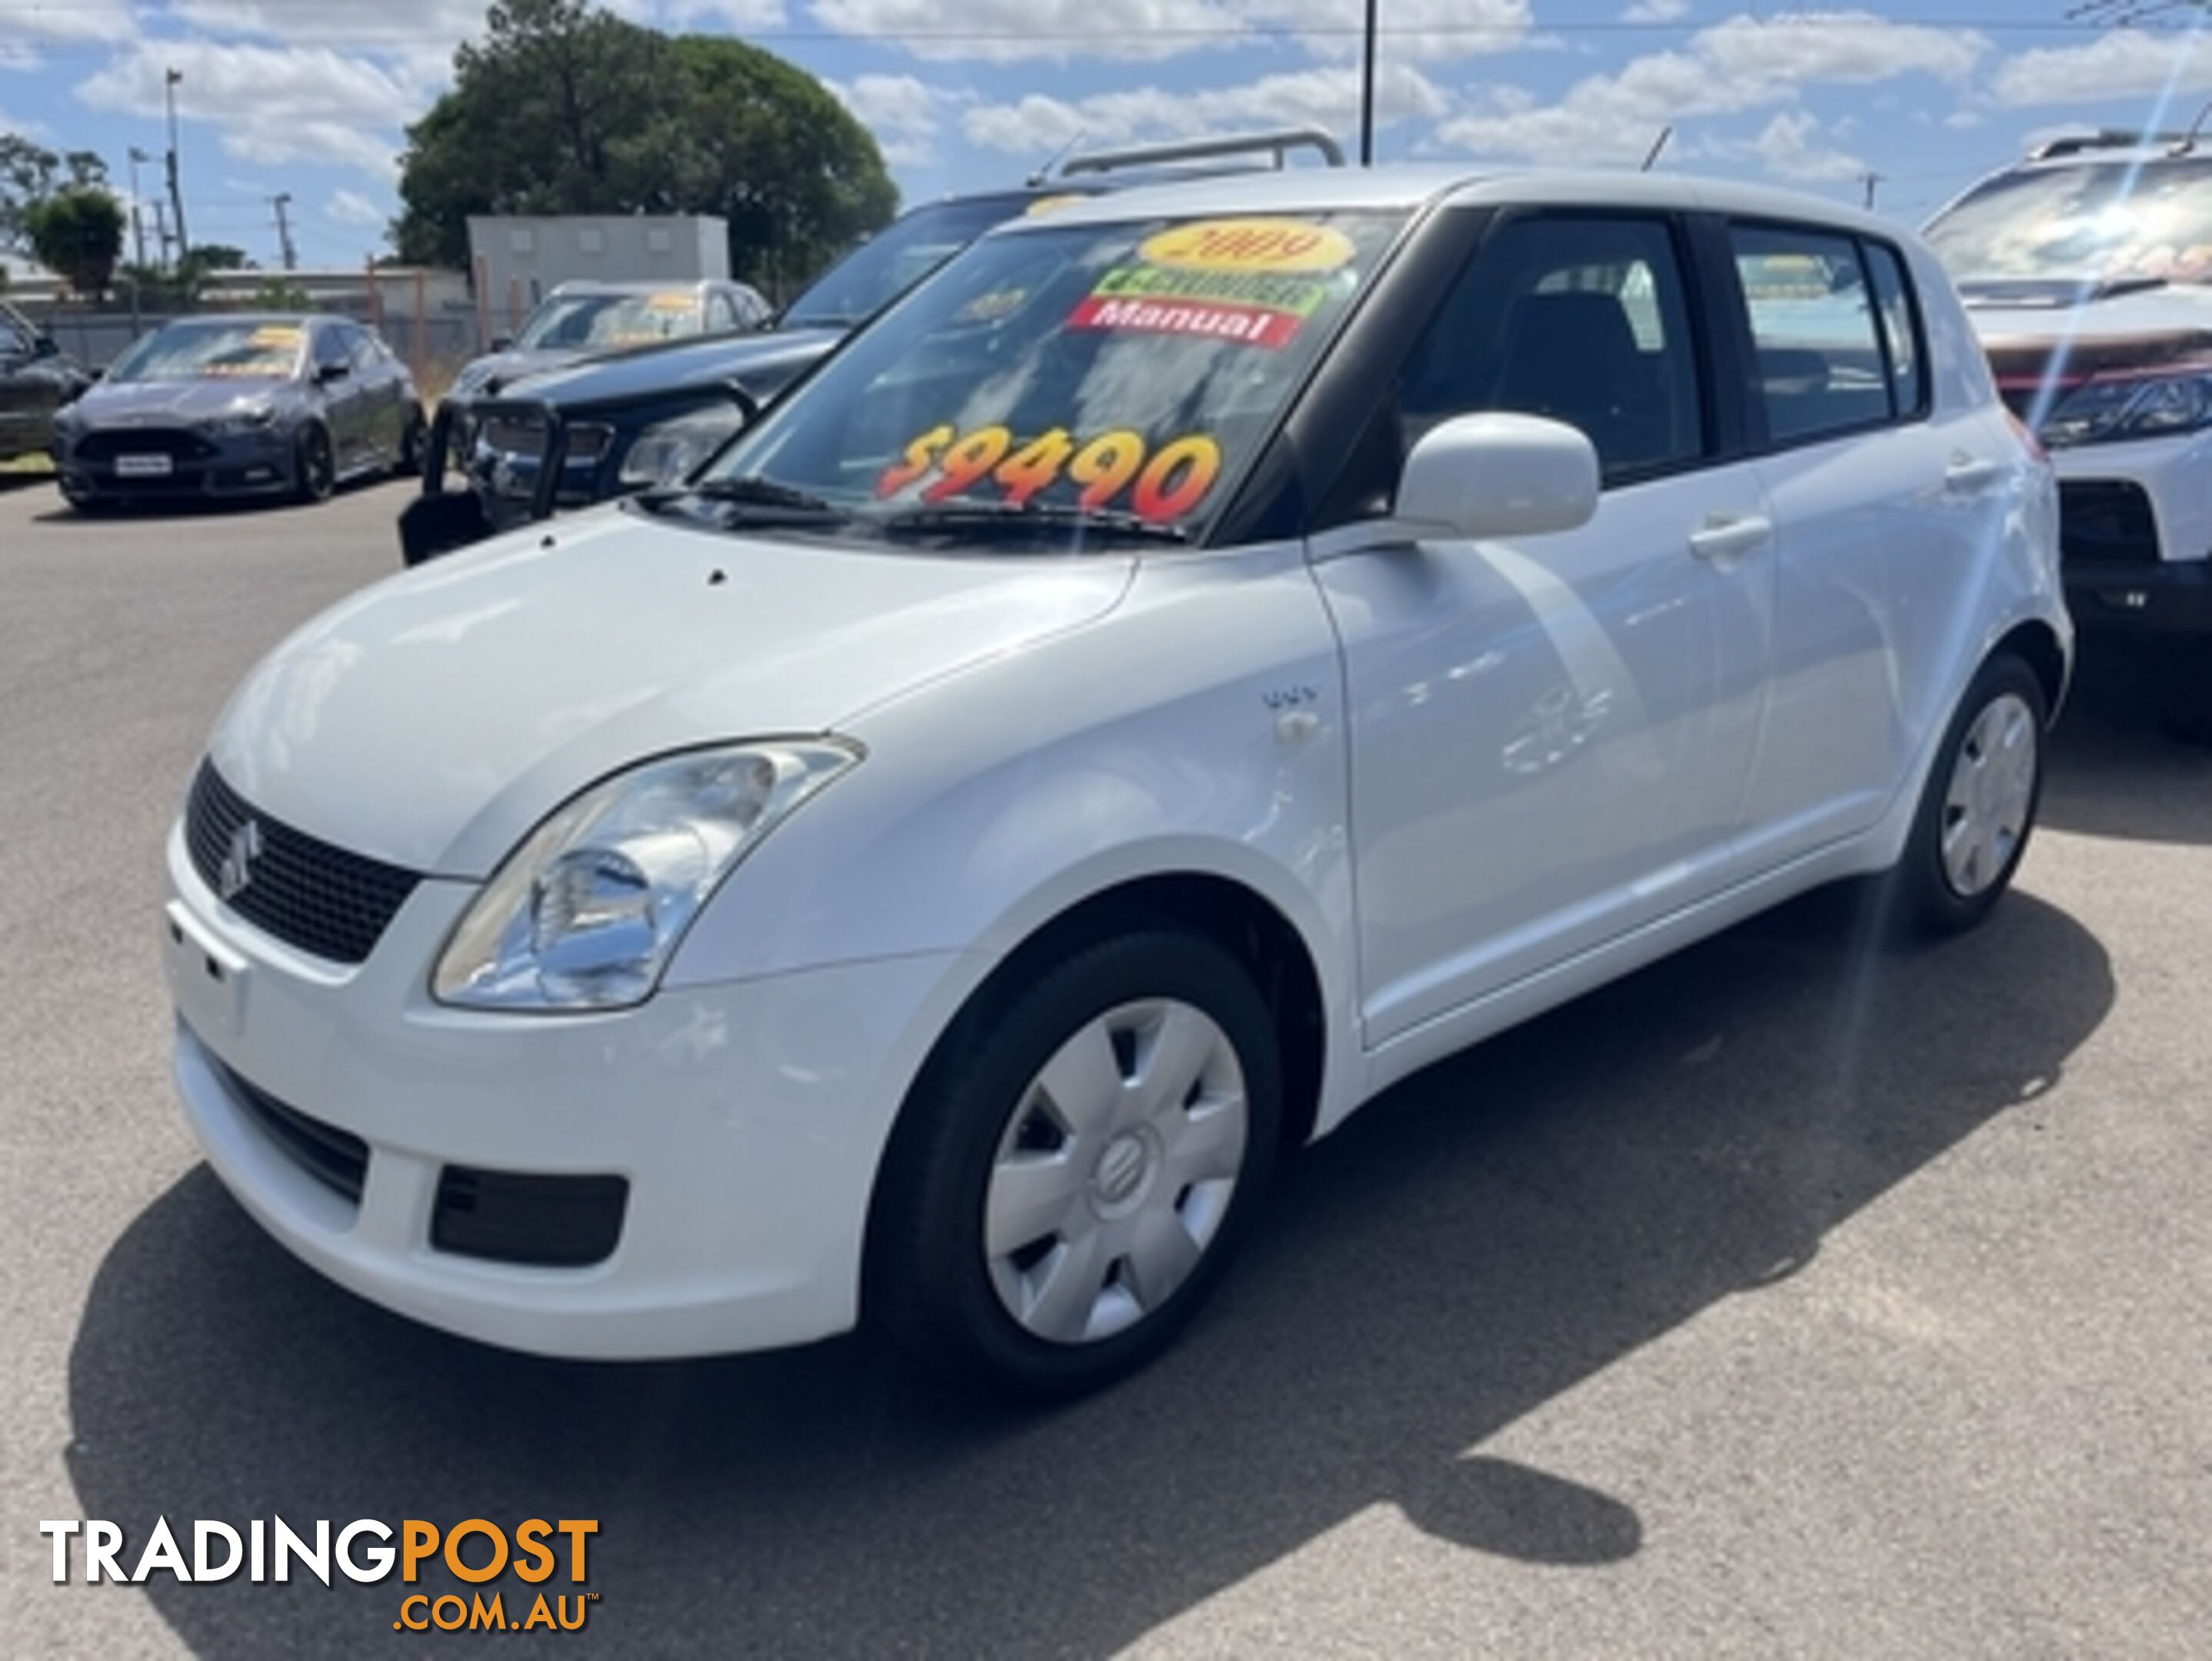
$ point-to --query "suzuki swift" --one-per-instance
(1201, 657)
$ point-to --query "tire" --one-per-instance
(1115, 1186)
(1977, 808)
(409, 463)
(314, 473)
(2185, 692)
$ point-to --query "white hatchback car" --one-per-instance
(1203, 656)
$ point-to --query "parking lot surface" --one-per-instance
(1792, 1298)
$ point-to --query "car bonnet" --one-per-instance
(431, 720)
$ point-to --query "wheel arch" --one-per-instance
(2036, 644)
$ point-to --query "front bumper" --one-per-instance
(2136, 529)
(251, 464)
(746, 1120)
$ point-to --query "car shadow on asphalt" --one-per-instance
(2113, 772)
(1501, 1226)
(155, 509)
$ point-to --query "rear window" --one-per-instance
(1820, 365)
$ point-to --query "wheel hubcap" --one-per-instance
(1116, 1171)
(1992, 788)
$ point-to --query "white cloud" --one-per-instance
(1741, 63)
(94, 21)
(1036, 124)
(900, 111)
(2119, 63)
(1014, 31)
(1656, 11)
(1790, 145)
(272, 105)
(351, 207)
(1011, 31)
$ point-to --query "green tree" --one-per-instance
(78, 231)
(30, 174)
(565, 109)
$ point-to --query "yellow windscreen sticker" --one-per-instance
(1248, 244)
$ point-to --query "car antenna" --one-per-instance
(1053, 161)
(1657, 145)
(2188, 140)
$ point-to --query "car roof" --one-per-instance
(629, 285)
(289, 319)
(1331, 189)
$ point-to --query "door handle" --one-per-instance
(1971, 475)
(1725, 537)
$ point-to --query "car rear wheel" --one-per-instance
(1977, 808)
(1076, 1166)
(314, 474)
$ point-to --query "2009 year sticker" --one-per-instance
(1162, 484)
(1248, 244)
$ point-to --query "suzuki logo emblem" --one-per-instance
(237, 867)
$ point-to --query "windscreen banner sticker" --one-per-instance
(1252, 308)
(1248, 244)
(1162, 484)
(278, 336)
(675, 300)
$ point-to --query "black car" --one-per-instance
(237, 405)
(36, 379)
(608, 426)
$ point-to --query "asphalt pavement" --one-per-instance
(1792, 1298)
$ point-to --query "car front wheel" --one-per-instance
(1076, 1166)
(314, 475)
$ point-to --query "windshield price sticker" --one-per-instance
(279, 336)
(1162, 484)
(1248, 244)
(675, 301)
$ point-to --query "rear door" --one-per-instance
(1884, 504)
(1550, 735)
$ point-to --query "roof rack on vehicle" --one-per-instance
(1276, 144)
(2106, 138)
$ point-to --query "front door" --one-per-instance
(1550, 735)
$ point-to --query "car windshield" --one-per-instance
(213, 350)
(576, 320)
(2102, 222)
(891, 262)
(1053, 383)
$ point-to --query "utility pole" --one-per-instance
(281, 201)
(1871, 180)
(1367, 92)
(162, 228)
(176, 191)
(137, 219)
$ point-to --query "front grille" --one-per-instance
(322, 899)
(551, 1222)
(2106, 523)
(173, 442)
(337, 1159)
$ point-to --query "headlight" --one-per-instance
(241, 421)
(585, 913)
(668, 451)
(2133, 406)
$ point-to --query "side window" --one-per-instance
(719, 319)
(331, 347)
(1583, 320)
(1821, 369)
(1900, 328)
(366, 357)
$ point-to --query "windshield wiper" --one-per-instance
(753, 490)
(745, 500)
(966, 517)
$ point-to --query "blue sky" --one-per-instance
(310, 96)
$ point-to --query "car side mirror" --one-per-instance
(1498, 475)
(502, 343)
(44, 345)
(327, 372)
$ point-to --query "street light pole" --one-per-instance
(281, 201)
(137, 219)
(1367, 92)
(176, 191)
